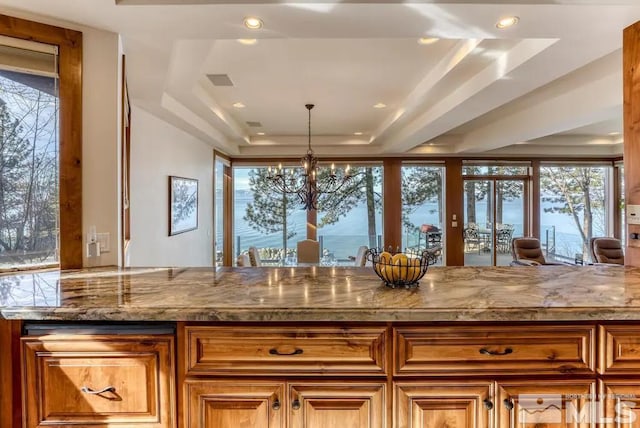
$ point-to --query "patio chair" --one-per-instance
(254, 257)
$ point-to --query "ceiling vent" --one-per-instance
(220, 79)
(253, 124)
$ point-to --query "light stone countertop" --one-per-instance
(549, 293)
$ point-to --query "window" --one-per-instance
(422, 207)
(573, 208)
(351, 217)
(220, 165)
(27, 69)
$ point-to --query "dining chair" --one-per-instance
(527, 251)
(308, 251)
(361, 256)
(254, 257)
(243, 260)
(606, 250)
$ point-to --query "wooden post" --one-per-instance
(454, 198)
(392, 203)
(10, 382)
(631, 89)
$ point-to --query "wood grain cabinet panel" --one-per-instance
(346, 405)
(286, 350)
(453, 404)
(619, 351)
(237, 404)
(547, 403)
(99, 381)
(494, 350)
(620, 400)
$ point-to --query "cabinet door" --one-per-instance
(547, 403)
(621, 403)
(344, 405)
(444, 404)
(233, 404)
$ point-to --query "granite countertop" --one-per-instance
(323, 294)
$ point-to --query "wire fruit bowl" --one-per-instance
(398, 269)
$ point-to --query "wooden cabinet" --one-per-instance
(345, 405)
(106, 380)
(454, 404)
(352, 351)
(620, 401)
(237, 404)
(546, 403)
(494, 350)
(619, 350)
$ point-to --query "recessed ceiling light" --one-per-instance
(357, 133)
(239, 105)
(379, 105)
(253, 23)
(614, 133)
(427, 40)
(507, 22)
(260, 133)
(248, 41)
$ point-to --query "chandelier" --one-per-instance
(307, 182)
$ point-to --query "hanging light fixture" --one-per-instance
(307, 182)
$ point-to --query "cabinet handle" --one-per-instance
(276, 405)
(296, 404)
(88, 390)
(485, 351)
(488, 404)
(508, 404)
(274, 351)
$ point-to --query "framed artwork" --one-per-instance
(183, 205)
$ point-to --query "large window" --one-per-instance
(220, 165)
(29, 161)
(351, 217)
(270, 221)
(573, 208)
(422, 207)
(27, 56)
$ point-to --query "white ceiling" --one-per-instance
(551, 85)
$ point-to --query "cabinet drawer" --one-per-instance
(99, 381)
(619, 349)
(285, 350)
(483, 350)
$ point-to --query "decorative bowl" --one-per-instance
(398, 269)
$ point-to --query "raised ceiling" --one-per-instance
(550, 85)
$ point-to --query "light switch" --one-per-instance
(104, 242)
(454, 224)
(454, 217)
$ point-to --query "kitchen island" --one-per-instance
(318, 347)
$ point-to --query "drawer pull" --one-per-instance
(276, 405)
(485, 351)
(88, 390)
(296, 404)
(274, 351)
(488, 404)
(508, 404)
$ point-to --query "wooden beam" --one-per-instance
(631, 91)
(392, 203)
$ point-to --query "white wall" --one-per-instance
(159, 150)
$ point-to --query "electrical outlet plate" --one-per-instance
(104, 242)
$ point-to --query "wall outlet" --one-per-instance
(104, 242)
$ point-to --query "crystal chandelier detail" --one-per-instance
(307, 182)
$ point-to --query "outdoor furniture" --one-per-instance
(504, 234)
(472, 238)
(254, 257)
(606, 250)
(361, 256)
(308, 251)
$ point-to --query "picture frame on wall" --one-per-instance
(183, 205)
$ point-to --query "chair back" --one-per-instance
(243, 260)
(606, 250)
(308, 251)
(254, 257)
(361, 256)
(527, 248)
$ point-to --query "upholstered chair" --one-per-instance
(243, 260)
(606, 250)
(527, 251)
(308, 251)
(361, 256)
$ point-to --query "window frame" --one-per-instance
(69, 44)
